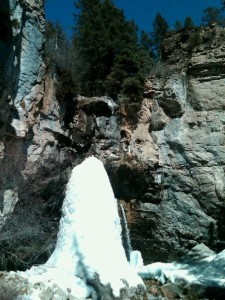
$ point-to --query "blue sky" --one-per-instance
(142, 11)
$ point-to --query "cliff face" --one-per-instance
(165, 157)
(187, 129)
(172, 175)
(26, 139)
(21, 90)
(22, 86)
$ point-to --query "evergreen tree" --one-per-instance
(188, 23)
(213, 14)
(56, 46)
(223, 4)
(160, 28)
(61, 59)
(146, 43)
(108, 46)
(147, 53)
(178, 26)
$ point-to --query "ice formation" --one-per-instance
(208, 271)
(89, 242)
(89, 239)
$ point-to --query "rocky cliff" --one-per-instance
(165, 157)
(186, 124)
(22, 81)
(25, 142)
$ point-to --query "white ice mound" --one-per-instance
(89, 238)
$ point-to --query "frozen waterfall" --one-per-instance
(89, 239)
(89, 246)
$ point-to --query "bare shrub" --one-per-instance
(28, 235)
(28, 232)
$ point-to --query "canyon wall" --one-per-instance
(186, 124)
(21, 90)
(169, 168)
(164, 156)
(29, 159)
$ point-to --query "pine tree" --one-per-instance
(213, 14)
(223, 4)
(60, 58)
(108, 46)
(160, 28)
(147, 53)
(56, 46)
(146, 43)
(178, 26)
(188, 23)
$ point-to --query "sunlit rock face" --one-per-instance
(21, 90)
(28, 36)
(180, 201)
(89, 256)
(22, 47)
(29, 114)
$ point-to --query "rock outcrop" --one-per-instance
(23, 68)
(21, 83)
(168, 167)
(165, 157)
(187, 127)
(30, 171)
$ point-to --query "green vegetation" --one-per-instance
(160, 28)
(213, 14)
(188, 23)
(178, 25)
(64, 64)
(223, 4)
(107, 55)
(109, 47)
